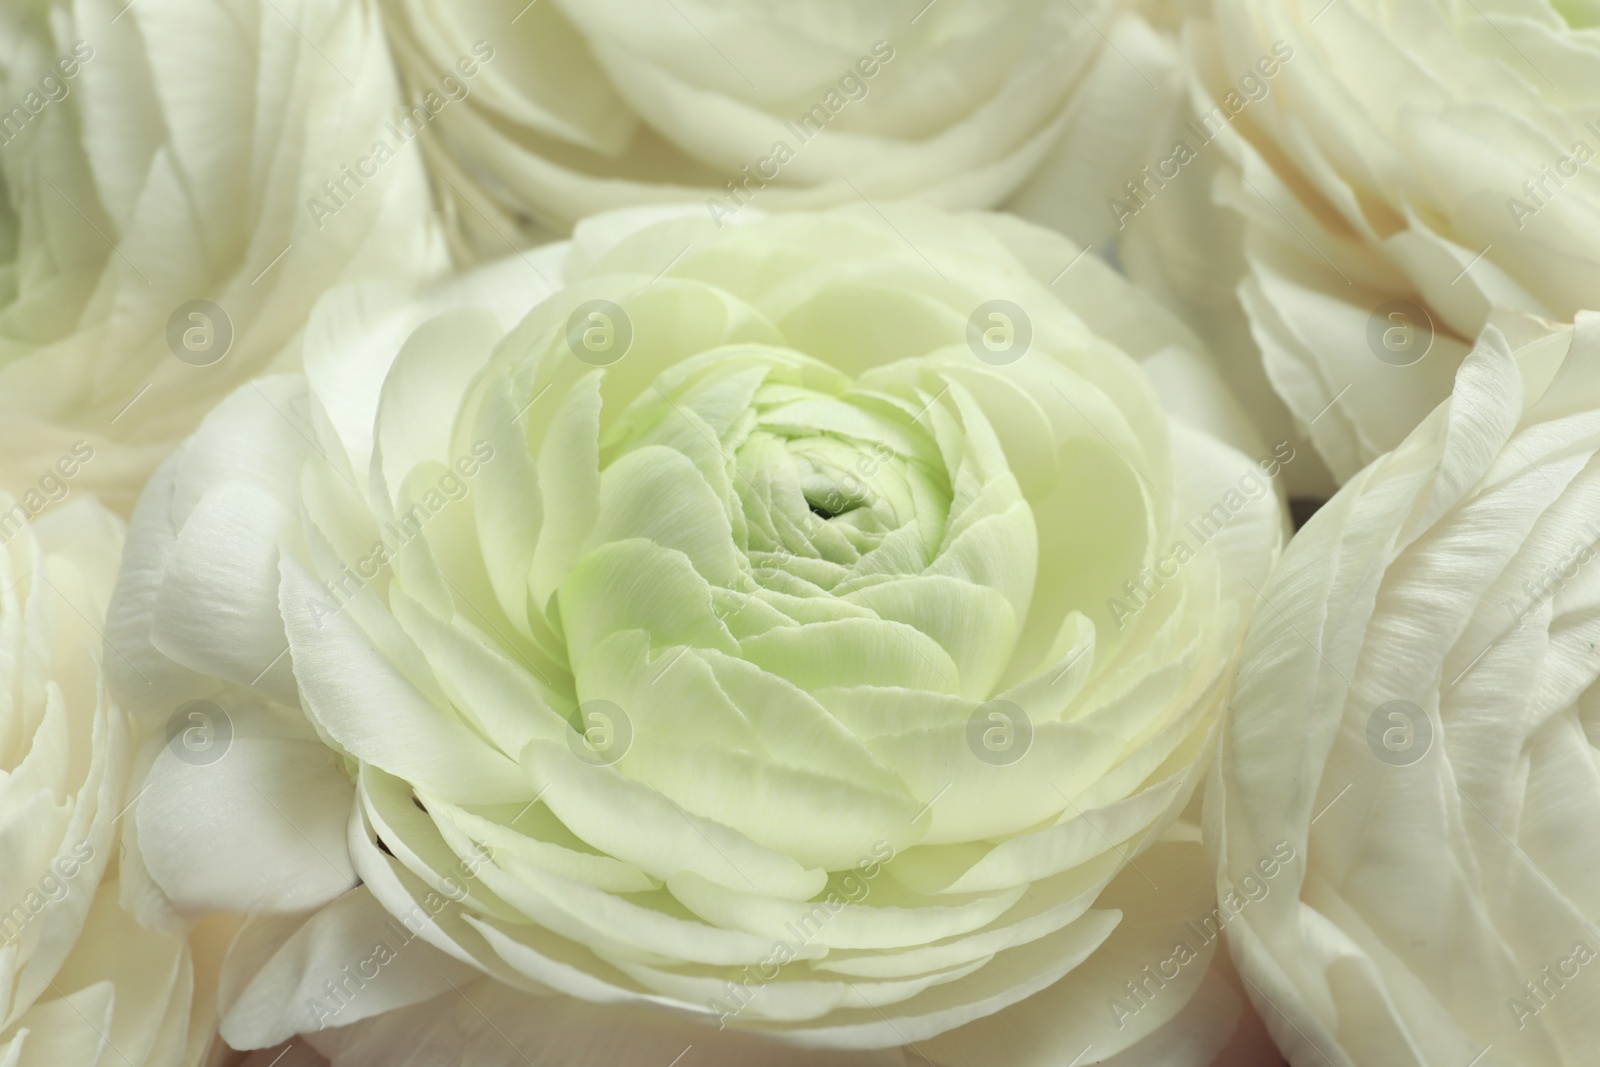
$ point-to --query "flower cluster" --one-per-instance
(818, 533)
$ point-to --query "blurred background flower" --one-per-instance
(81, 982)
(159, 244)
(1419, 719)
(543, 113)
(1371, 180)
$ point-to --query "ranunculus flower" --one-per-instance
(83, 983)
(1415, 734)
(536, 116)
(811, 627)
(1390, 173)
(158, 246)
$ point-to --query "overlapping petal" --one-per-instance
(1373, 179)
(808, 663)
(1412, 737)
(80, 981)
(176, 190)
(536, 116)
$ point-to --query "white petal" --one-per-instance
(346, 962)
(261, 827)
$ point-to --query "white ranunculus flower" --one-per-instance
(80, 982)
(1392, 172)
(157, 242)
(539, 114)
(1417, 720)
(811, 627)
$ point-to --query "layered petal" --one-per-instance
(1371, 181)
(812, 628)
(1412, 727)
(180, 187)
(80, 980)
(535, 118)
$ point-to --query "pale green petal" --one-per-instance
(507, 500)
(569, 479)
(974, 624)
(840, 923)
(821, 819)
(637, 585)
(656, 494)
(852, 651)
(638, 825)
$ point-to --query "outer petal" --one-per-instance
(1409, 724)
(333, 967)
(261, 828)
